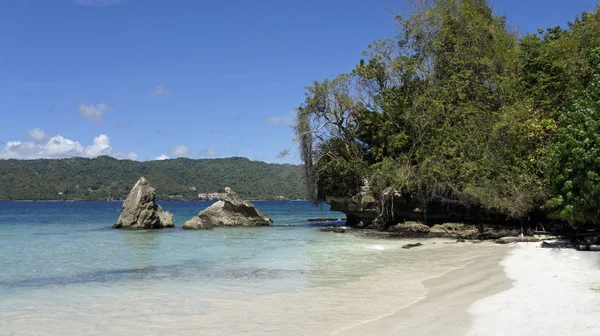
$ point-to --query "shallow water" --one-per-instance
(63, 270)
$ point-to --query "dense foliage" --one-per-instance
(460, 111)
(106, 178)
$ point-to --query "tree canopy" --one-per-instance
(106, 178)
(459, 110)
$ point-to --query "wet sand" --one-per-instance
(444, 310)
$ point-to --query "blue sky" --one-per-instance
(143, 79)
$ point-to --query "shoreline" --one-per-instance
(445, 302)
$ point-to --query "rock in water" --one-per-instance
(409, 246)
(333, 229)
(230, 211)
(140, 212)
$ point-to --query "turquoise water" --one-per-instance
(63, 243)
(65, 271)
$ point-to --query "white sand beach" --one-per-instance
(555, 292)
(528, 291)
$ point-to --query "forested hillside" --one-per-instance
(461, 114)
(106, 178)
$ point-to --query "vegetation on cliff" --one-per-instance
(460, 113)
(106, 178)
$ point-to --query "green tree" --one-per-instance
(575, 155)
(455, 112)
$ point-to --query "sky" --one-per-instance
(157, 79)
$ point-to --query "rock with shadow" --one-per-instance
(140, 212)
(231, 210)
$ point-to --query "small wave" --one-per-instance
(377, 247)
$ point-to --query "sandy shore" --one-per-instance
(444, 310)
(527, 291)
(555, 292)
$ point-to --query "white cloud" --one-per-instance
(160, 90)
(93, 113)
(100, 3)
(37, 134)
(60, 147)
(180, 151)
(287, 119)
(101, 146)
(161, 157)
(209, 153)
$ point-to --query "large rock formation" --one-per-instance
(229, 211)
(361, 209)
(140, 212)
(382, 211)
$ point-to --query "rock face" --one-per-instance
(140, 212)
(451, 230)
(410, 228)
(361, 209)
(230, 211)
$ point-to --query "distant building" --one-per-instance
(211, 196)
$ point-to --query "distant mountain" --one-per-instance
(106, 178)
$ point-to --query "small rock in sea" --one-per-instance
(333, 229)
(460, 240)
(477, 241)
(409, 246)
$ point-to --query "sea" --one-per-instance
(65, 271)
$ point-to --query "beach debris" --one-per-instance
(409, 246)
(140, 211)
(229, 211)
